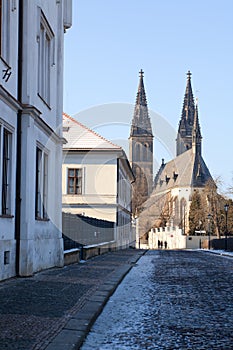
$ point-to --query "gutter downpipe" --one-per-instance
(19, 136)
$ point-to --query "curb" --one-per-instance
(72, 336)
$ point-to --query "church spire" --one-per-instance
(184, 137)
(196, 133)
(141, 150)
(141, 124)
(188, 105)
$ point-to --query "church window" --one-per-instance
(41, 200)
(74, 181)
(5, 166)
(183, 215)
(45, 41)
(138, 152)
(145, 152)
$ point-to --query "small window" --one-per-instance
(7, 257)
(41, 184)
(74, 181)
(6, 159)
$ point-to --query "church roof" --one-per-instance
(187, 169)
(80, 137)
(141, 124)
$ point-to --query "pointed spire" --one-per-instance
(141, 124)
(196, 132)
(141, 95)
(184, 137)
(196, 125)
(188, 105)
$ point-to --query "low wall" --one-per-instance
(90, 251)
(166, 237)
(71, 256)
(75, 255)
(173, 238)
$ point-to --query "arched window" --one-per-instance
(145, 152)
(183, 215)
(138, 152)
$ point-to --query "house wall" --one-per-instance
(106, 190)
(39, 242)
(8, 120)
(125, 235)
(99, 184)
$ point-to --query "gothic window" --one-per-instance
(138, 152)
(74, 181)
(45, 41)
(183, 215)
(145, 152)
(41, 196)
(5, 166)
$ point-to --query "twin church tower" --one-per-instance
(141, 143)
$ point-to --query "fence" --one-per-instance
(79, 230)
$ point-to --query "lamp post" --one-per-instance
(209, 218)
(226, 207)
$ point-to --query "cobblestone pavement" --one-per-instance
(34, 310)
(169, 300)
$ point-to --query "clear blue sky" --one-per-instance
(110, 41)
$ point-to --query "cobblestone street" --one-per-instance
(170, 300)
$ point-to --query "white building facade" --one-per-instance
(31, 90)
(97, 179)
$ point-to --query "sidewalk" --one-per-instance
(55, 309)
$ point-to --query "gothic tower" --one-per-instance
(184, 136)
(141, 149)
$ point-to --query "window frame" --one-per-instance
(77, 181)
(41, 184)
(6, 140)
(45, 40)
(4, 29)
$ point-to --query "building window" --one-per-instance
(6, 141)
(74, 181)
(45, 58)
(4, 29)
(41, 184)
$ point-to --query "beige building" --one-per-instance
(96, 179)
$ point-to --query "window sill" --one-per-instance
(6, 216)
(41, 219)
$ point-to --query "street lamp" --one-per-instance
(209, 218)
(226, 207)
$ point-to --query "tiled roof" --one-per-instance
(187, 169)
(80, 137)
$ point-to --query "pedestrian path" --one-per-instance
(55, 309)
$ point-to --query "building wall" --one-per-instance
(106, 190)
(99, 184)
(33, 244)
(9, 107)
(125, 235)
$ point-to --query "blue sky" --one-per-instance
(110, 41)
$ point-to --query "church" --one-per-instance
(165, 201)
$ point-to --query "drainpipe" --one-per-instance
(19, 133)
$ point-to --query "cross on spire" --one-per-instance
(189, 75)
(141, 74)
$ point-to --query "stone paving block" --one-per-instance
(77, 324)
(67, 340)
